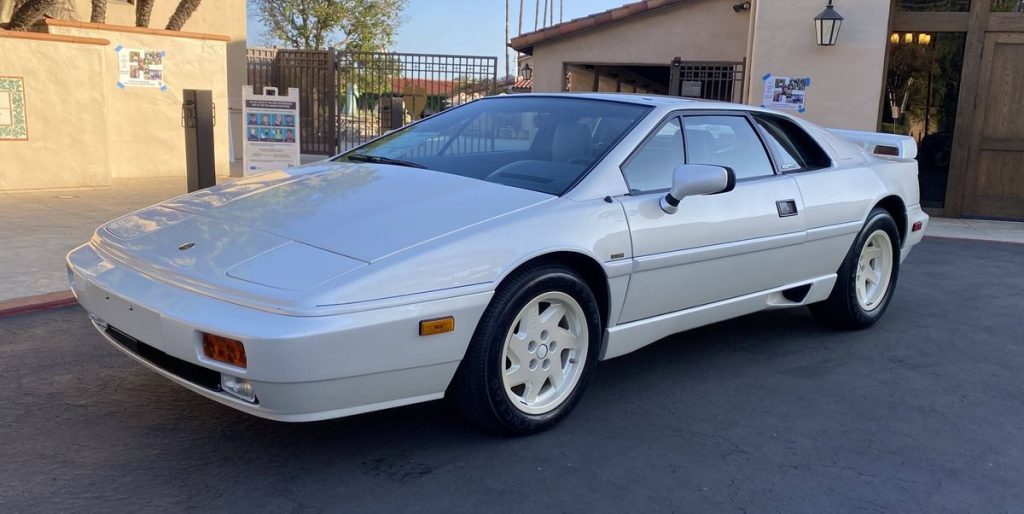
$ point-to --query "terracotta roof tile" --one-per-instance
(525, 42)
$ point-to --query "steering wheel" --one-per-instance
(581, 161)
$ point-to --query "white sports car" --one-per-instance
(496, 251)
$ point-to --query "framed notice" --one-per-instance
(13, 121)
(137, 67)
(785, 93)
(271, 130)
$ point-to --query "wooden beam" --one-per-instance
(966, 110)
(903, 21)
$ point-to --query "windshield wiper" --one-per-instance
(377, 159)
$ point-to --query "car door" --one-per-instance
(715, 247)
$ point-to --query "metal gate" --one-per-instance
(383, 91)
(312, 72)
(348, 98)
(710, 80)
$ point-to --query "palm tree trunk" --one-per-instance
(143, 9)
(99, 11)
(520, 32)
(504, 45)
(182, 14)
(29, 12)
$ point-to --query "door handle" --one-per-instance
(786, 208)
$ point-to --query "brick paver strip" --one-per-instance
(36, 303)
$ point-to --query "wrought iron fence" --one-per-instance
(383, 91)
(348, 98)
(710, 80)
(312, 72)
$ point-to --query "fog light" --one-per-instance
(239, 387)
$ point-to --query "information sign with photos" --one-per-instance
(271, 130)
(785, 93)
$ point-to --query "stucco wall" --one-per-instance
(144, 124)
(697, 30)
(846, 79)
(227, 17)
(67, 126)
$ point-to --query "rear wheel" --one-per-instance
(866, 279)
(533, 352)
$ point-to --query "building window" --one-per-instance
(1006, 6)
(934, 5)
(921, 92)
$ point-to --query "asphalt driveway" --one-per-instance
(768, 413)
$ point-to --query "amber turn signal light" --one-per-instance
(429, 327)
(223, 349)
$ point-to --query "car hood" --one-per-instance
(296, 229)
(362, 211)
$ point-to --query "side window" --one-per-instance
(651, 167)
(792, 147)
(726, 141)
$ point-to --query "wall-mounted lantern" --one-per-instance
(826, 26)
(526, 72)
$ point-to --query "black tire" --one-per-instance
(842, 310)
(477, 388)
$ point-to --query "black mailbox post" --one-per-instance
(198, 118)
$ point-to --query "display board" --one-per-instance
(785, 93)
(271, 130)
(139, 67)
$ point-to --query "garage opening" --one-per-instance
(710, 80)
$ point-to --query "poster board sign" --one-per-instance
(785, 93)
(271, 130)
(138, 67)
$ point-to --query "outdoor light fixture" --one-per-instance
(908, 38)
(826, 26)
(742, 6)
(527, 72)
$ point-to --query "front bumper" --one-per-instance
(302, 368)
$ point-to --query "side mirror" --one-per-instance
(697, 179)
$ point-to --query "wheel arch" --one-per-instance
(896, 208)
(590, 270)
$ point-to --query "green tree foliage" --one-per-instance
(182, 13)
(360, 25)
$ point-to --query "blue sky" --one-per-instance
(471, 27)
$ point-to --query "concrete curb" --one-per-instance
(974, 240)
(36, 303)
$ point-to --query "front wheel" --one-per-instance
(866, 279)
(533, 352)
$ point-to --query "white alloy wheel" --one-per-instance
(544, 353)
(874, 270)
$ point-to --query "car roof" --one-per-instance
(674, 102)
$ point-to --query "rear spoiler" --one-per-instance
(880, 144)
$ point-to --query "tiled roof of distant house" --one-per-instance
(525, 42)
(409, 85)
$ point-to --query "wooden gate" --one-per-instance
(995, 185)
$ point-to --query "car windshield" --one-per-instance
(531, 142)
